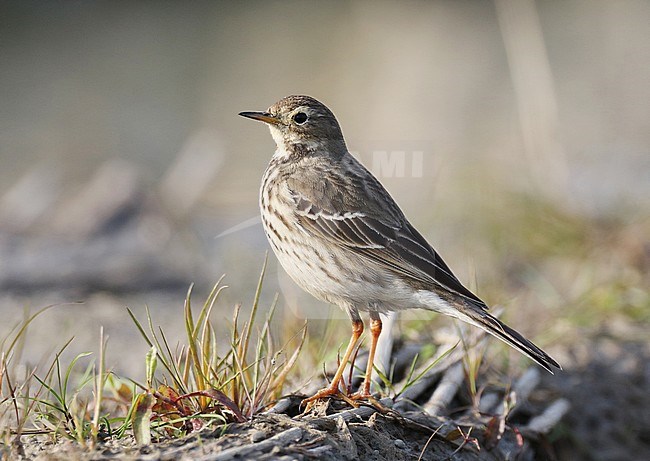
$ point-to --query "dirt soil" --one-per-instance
(272, 436)
(609, 391)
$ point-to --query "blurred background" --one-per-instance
(514, 134)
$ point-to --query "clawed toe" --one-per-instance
(323, 393)
(359, 395)
(356, 399)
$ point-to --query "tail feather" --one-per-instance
(513, 338)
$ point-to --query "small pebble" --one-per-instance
(399, 443)
(258, 436)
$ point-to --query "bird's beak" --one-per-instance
(261, 116)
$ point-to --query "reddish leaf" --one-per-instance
(520, 438)
(226, 402)
(168, 400)
(124, 393)
(454, 435)
(494, 431)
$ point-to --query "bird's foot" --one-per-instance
(328, 392)
(360, 395)
(367, 398)
(363, 393)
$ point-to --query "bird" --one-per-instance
(341, 237)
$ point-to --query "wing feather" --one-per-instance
(396, 245)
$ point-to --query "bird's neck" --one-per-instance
(308, 148)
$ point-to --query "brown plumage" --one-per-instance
(341, 237)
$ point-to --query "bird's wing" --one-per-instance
(377, 231)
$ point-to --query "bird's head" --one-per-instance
(301, 123)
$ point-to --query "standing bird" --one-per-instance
(341, 237)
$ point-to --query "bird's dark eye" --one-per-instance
(300, 118)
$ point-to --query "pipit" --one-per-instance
(341, 237)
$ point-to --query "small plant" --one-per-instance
(202, 386)
(472, 360)
(208, 381)
(50, 407)
(63, 409)
(412, 377)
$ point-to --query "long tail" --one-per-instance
(479, 317)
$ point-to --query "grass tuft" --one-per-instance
(208, 381)
(202, 386)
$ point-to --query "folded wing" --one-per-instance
(390, 241)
